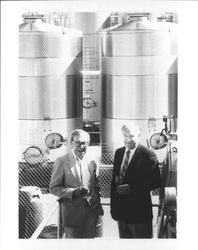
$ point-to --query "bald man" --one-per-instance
(135, 174)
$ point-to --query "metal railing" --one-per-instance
(35, 215)
(45, 221)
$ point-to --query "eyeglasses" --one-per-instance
(79, 143)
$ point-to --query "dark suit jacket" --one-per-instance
(142, 175)
(63, 182)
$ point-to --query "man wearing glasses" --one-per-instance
(74, 181)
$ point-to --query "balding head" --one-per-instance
(131, 134)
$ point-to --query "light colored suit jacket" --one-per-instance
(64, 180)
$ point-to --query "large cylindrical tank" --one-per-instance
(139, 79)
(50, 87)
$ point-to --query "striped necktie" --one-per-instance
(125, 165)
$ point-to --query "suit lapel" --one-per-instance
(133, 163)
(134, 158)
(122, 150)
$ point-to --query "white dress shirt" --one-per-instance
(78, 166)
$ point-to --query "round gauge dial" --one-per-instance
(88, 103)
(158, 141)
(54, 140)
(33, 155)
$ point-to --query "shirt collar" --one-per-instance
(76, 158)
(131, 150)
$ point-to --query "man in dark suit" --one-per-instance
(135, 174)
(75, 182)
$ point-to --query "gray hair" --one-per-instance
(132, 127)
(80, 132)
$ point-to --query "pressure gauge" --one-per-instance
(33, 155)
(158, 141)
(88, 103)
(54, 140)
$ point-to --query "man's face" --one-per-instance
(131, 138)
(79, 145)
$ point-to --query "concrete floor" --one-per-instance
(110, 228)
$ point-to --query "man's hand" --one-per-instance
(123, 189)
(80, 192)
(114, 214)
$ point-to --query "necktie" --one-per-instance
(125, 165)
(79, 164)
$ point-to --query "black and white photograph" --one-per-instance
(95, 151)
